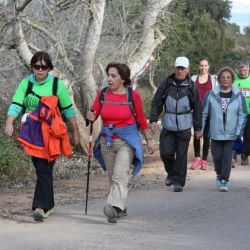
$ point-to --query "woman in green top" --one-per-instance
(42, 85)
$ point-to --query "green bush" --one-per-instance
(15, 165)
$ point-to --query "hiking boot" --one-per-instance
(169, 181)
(223, 186)
(234, 159)
(111, 213)
(177, 187)
(244, 160)
(234, 156)
(203, 165)
(122, 213)
(217, 180)
(48, 213)
(38, 214)
(196, 163)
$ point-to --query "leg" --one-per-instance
(118, 159)
(227, 159)
(167, 150)
(217, 153)
(197, 147)
(246, 141)
(180, 166)
(44, 195)
(206, 141)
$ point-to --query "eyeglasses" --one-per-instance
(37, 67)
(225, 78)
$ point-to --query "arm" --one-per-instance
(74, 126)
(197, 116)
(205, 109)
(157, 105)
(242, 115)
(9, 125)
(148, 139)
(142, 121)
(92, 116)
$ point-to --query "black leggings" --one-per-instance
(44, 194)
(206, 143)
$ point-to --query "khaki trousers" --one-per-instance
(118, 159)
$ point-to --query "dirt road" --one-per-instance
(200, 217)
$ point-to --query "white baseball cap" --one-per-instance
(181, 61)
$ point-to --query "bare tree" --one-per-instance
(83, 36)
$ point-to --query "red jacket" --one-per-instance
(44, 133)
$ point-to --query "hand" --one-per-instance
(154, 127)
(9, 129)
(150, 146)
(91, 116)
(76, 136)
(198, 134)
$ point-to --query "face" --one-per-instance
(226, 80)
(243, 72)
(114, 79)
(203, 67)
(40, 70)
(181, 72)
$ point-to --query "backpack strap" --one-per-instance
(130, 100)
(55, 86)
(129, 92)
(29, 89)
(189, 95)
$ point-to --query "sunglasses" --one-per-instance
(42, 67)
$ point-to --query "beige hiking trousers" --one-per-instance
(118, 159)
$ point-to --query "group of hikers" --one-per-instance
(216, 107)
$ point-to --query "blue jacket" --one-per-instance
(128, 133)
(235, 116)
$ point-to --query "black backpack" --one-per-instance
(188, 88)
(54, 92)
(129, 102)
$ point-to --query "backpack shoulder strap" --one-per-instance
(165, 94)
(29, 88)
(103, 95)
(130, 99)
(55, 86)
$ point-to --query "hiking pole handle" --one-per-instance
(87, 120)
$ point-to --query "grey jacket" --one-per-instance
(180, 113)
(235, 116)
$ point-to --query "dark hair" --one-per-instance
(39, 56)
(123, 70)
(226, 69)
(204, 59)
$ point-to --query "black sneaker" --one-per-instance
(111, 213)
(169, 181)
(244, 160)
(122, 213)
(177, 187)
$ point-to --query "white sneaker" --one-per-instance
(223, 186)
(217, 180)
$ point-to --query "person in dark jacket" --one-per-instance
(180, 97)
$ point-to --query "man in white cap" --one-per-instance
(180, 98)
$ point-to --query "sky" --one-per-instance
(240, 13)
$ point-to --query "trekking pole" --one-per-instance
(89, 160)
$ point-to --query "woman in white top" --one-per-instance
(205, 82)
